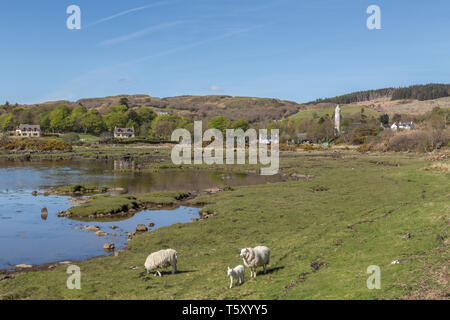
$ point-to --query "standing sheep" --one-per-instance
(255, 257)
(161, 259)
(236, 273)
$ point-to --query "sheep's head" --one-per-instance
(230, 271)
(244, 253)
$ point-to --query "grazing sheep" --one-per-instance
(162, 259)
(255, 257)
(236, 273)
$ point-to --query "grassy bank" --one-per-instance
(324, 231)
(110, 205)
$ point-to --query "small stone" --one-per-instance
(100, 233)
(141, 228)
(44, 213)
(91, 228)
(108, 246)
(151, 225)
(407, 236)
(114, 227)
(65, 262)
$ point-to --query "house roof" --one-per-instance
(29, 127)
(123, 130)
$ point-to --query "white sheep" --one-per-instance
(161, 259)
(236, 273)
(255, 257)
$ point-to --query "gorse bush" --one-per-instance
(418, 140)
(38, 145)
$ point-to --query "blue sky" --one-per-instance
(288, 49)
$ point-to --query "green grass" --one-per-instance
(78, 188)
(347, 110)
(114, 204)
(359, 221)
(88, 138)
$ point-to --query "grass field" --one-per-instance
(317, 111)
(323, 232)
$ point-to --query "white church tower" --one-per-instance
(337, 120)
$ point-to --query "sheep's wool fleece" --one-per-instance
(161, 259)
(257, 256)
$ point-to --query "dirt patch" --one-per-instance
(385, 163)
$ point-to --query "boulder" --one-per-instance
(141, 228)
(151, 225)
(100, 233)
(91, 228)
(44, 213)
(108, 247)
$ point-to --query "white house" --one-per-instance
(28, 130)
(268, 140)
(402, 126)
(124, 133)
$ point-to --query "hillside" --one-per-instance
(374, 108)
(234, 108)
(415, 92)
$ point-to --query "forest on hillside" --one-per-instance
(419, 92)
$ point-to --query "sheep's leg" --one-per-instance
(265, 271)
(254, 273)
(174, 269)
(231, 282)
(159, 273)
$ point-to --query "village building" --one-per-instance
(28, 130)
(268, 140)
(124, 133)
(402, 126)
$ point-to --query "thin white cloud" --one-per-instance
(127, 80)
(156, 4)
(85, 81)
(214, 88)
(192, 45)
(140, 33)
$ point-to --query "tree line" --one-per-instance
(419, 92)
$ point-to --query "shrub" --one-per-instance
(38, 145)
(419, 140)
(71, 138)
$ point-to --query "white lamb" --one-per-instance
(236, 273)
(255, 257)
(160, 260)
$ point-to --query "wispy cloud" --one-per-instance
(140, 33)
(85, 82)
(127, 80)
(192, 45)
(156, 4)
(214, 88)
